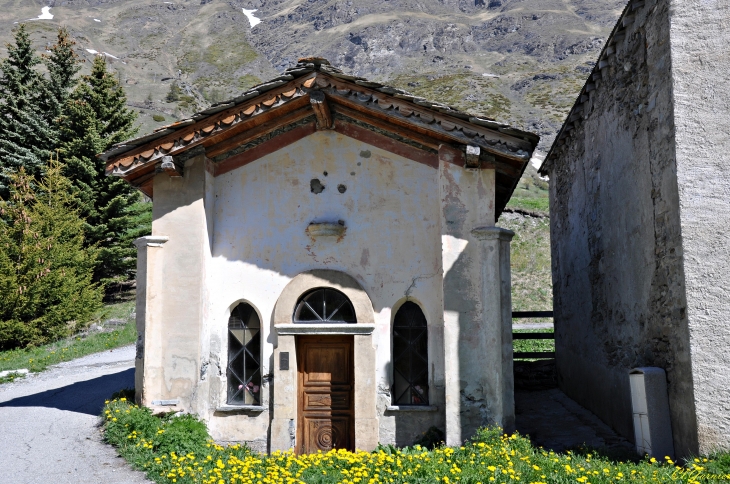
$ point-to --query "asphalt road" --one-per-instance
(49, 423)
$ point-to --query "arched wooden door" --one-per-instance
(326, 379)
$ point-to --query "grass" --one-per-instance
(41, 357)
(10, 377)
(178, 449)
(532, 204)
(533, 345)
(530, 261)
(465, 91)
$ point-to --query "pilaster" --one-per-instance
(479, 388)
(149, 264)
(496, 289)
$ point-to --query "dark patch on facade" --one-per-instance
(316, 186)
(341, 188)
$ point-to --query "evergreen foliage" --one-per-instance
(96, 118)
(46, 289)
(63, 65)
(27, 136)
(173, 95)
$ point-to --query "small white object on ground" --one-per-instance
(486, 74)
(22, 371)
(92, 51)
(97, 20)
(251, 18)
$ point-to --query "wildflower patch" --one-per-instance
(178, 449)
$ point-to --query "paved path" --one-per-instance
(555, 422)
(49, 423)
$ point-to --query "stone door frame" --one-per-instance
(284, 422)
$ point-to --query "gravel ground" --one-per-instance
(49, 423)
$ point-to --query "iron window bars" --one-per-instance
(244, 350)
(410, 356)
(324, 305)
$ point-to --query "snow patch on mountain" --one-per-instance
(45, 14)
(96, 52)
(251, 17)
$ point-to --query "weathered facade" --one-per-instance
(638, 209)
(319, 190)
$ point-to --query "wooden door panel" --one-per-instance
(327, 401)
(326, 433)
(326, 383)
(328, 364)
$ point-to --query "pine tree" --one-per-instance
(46, 289)
(173, 95)
(63, 65)
(96, 118)
(27, 137)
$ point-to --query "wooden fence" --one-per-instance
(533, 336)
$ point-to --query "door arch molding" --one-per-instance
(306, 281)
(284, 423)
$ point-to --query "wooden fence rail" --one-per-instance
(533, 336)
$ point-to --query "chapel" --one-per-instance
(325, 269)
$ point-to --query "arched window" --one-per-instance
(324, 305)
(244, 356)
(410, 356)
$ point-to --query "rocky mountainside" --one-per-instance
(519, 61)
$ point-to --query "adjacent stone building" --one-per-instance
(639, 212)
(324, 268)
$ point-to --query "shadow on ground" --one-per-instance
(555, 422)
(82, 397)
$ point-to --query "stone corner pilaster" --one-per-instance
(151, 241)
(492, 233)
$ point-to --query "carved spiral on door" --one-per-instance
(326, 437)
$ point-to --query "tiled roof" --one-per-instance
(315, 95)
(306, 66)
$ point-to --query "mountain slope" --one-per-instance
(520, 61)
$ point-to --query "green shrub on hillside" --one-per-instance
(46, 290)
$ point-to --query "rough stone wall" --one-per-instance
(700, 34)
(618, 280)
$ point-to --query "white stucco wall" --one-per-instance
(392, 247)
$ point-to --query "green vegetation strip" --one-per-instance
(41, 357)
(178, 449)
(528, 203)
(532, 345)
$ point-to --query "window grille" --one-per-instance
(244, 354)
(410, 356)
(324, 305)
